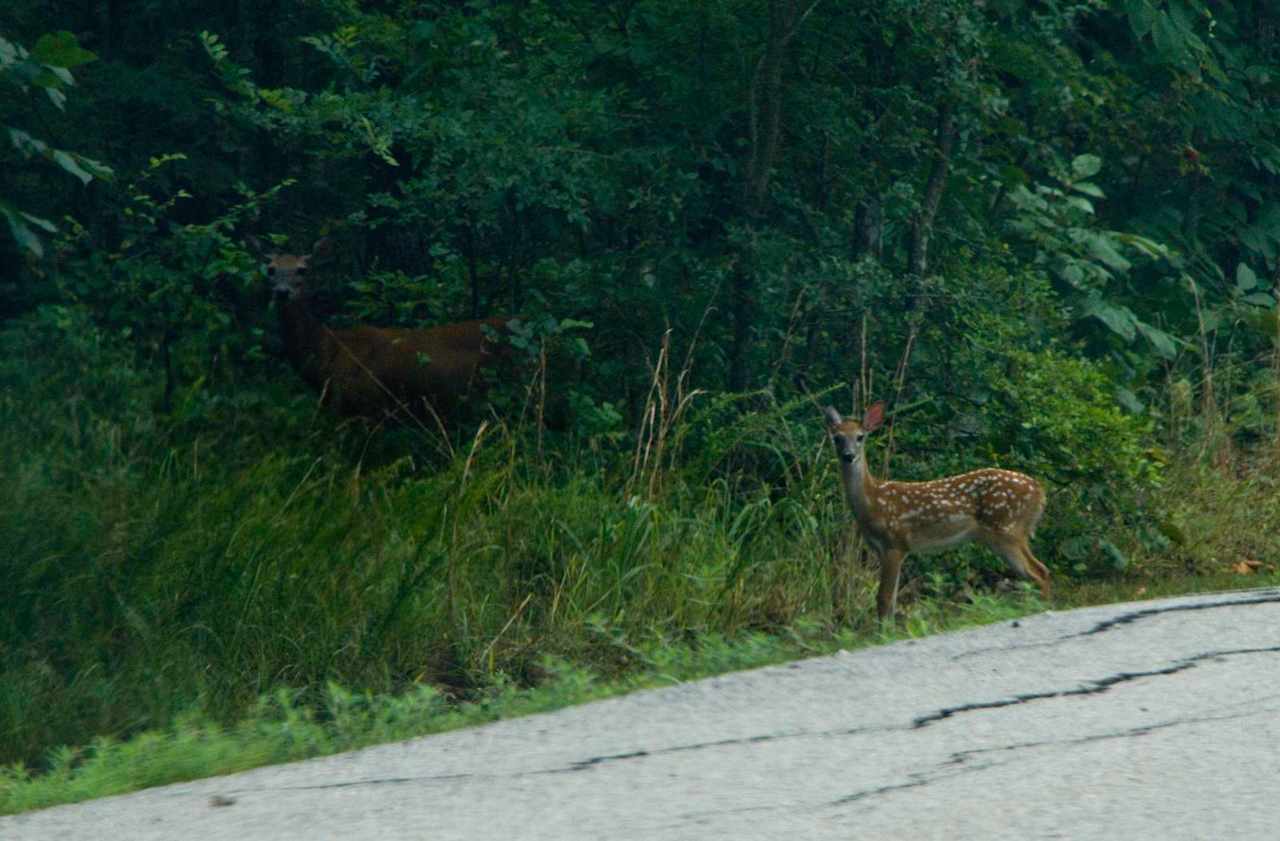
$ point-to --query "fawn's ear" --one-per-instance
(874, 417)
(832, 416)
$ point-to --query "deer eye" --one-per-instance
(860, 436)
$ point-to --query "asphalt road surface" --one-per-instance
(1156, 720)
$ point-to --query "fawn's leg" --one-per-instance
(1017, 554)
(1039, 570)
(887, 598)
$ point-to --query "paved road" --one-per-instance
(1149, 720)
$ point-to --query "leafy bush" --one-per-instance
(1063, 423)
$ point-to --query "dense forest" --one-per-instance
(1046, 234)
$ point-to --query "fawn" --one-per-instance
(997, 508)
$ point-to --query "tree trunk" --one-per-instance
(765, 97)
(869, 221)
(922, 225)
(115, 27)
(473, 272)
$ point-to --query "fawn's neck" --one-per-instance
(859, 486)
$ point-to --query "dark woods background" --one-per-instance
(1047, 232)
(1038, 177)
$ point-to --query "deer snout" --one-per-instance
(844, 449)
(283, 286)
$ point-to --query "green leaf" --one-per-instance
(69, 163)
(60, 49)
(1147, 246)
(1129, 400)
(1119, 319)
(57, 97)
(1165, 344)
(1245, 278)
(1089, 189)
(26, 144)
(9, 52)
(1073, 273)
(1118, 559)
(1141, 15)
(1172, 531)
(25, 237)
(1011, 174)
(1075, 548)
(1101, 249)
(1086, 166)
(43, 224)
(1258, 241)
(1169, 39)
(1080, 203)
(94, 168)
(1260, 299)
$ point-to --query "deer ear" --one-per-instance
(832, 416)
(323, 249)
(874, 417)
(261, 250)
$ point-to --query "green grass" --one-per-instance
(282, 727)
(189, 592)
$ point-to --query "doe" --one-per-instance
(997, 508)
(379, 371)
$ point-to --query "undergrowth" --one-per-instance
(188, 594)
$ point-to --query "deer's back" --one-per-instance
(378, 368)
(935, 515)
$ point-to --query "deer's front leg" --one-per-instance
(887, 599)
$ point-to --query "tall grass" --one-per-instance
(155, 573)
(168, 575)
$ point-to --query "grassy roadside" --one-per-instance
(280, 728)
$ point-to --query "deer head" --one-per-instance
(849, 436)
(287, 272)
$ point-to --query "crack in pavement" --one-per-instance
(1092, 687)
(917, 779)
(1269, 596)
(959, 761)
(584, 764)
(378, 781)
(1265, 597)
(591, 762)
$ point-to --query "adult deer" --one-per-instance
(997, 508)
(377, 371)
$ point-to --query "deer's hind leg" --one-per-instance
(1038, 570)
(1017, 554)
